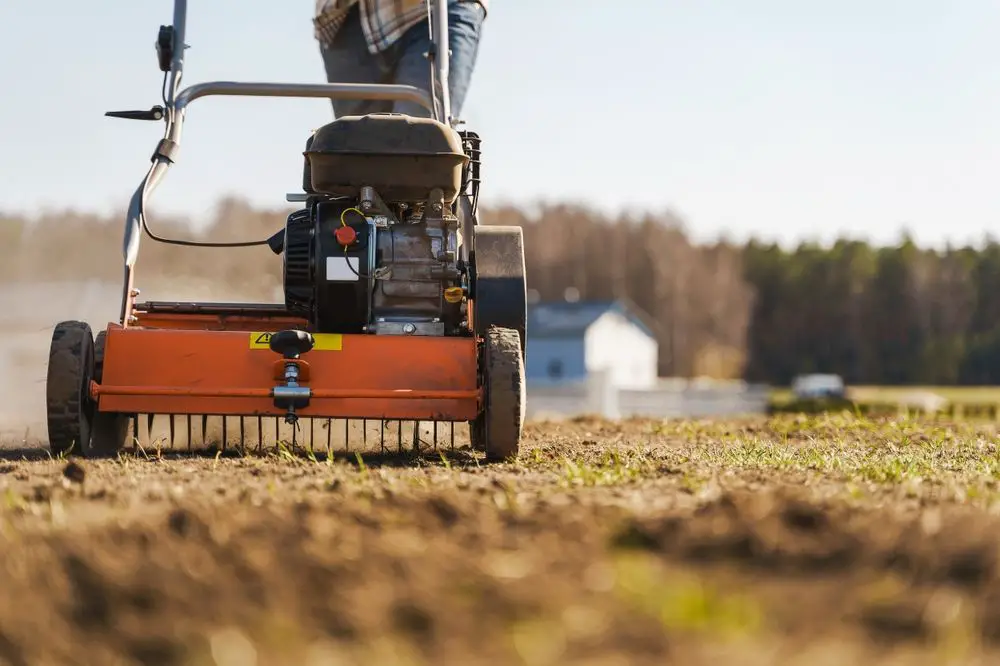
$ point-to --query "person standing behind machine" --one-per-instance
(385, 41)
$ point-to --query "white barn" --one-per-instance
(567, 341)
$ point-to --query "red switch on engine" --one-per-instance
(345, 235)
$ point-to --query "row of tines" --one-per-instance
(262, 434)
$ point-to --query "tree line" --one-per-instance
(875, 315)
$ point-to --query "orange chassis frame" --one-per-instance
(181, 363)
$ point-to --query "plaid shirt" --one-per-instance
(383, 21)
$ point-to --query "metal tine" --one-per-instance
(329, 437)
(260, 432)
(204, 430)
(452, 435)
(312, 435)
(435, 435)
(364, 433)
(347, 434)
(149, 428)
(190, 435)
(173, 431)
(416, 436)
(399, 435)
(225, 433)
(381, 435)
(243, 436)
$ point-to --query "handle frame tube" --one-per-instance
(177, 101)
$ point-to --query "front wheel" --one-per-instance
(70, 410)
(497, 430)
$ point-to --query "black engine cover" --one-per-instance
(329, 285)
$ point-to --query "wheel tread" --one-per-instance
(71, 357)
(505, 393)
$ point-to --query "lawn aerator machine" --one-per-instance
(399, 306)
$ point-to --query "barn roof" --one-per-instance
(559, 319)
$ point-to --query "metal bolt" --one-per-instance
(135, 292)
(409, 329)
(366, 205)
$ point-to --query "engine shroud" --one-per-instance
(402, 157)
(325, 282)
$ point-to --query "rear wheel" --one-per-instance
(70, 411)
(497, 430)
(500, 295)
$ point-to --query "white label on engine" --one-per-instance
(339, 270)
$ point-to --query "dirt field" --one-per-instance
(759, 542)
(778, 541)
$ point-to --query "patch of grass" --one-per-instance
(362, 468)
(13, 500)
(684, 602)
(958, 394)
(917, 457)
(692, 483)
(613, 467)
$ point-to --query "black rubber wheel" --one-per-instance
(99, 343)
(500, 294)
(109, 430)
(498, 429)
(70, 410)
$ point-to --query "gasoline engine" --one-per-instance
(377, 247)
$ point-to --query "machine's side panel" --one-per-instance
(232, 372)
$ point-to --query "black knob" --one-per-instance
(292, 343)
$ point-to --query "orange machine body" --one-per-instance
(221, 364)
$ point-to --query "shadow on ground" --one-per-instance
(463, 457)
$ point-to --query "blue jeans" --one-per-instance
(347, 60)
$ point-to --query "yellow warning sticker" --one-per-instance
(324, 341)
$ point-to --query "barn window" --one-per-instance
(555, 368)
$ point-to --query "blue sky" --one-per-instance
(779, 118)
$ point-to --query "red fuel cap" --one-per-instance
(345, 235)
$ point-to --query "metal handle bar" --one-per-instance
(380, 91)
(177, 101)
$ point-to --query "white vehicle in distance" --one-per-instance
(811, 387)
